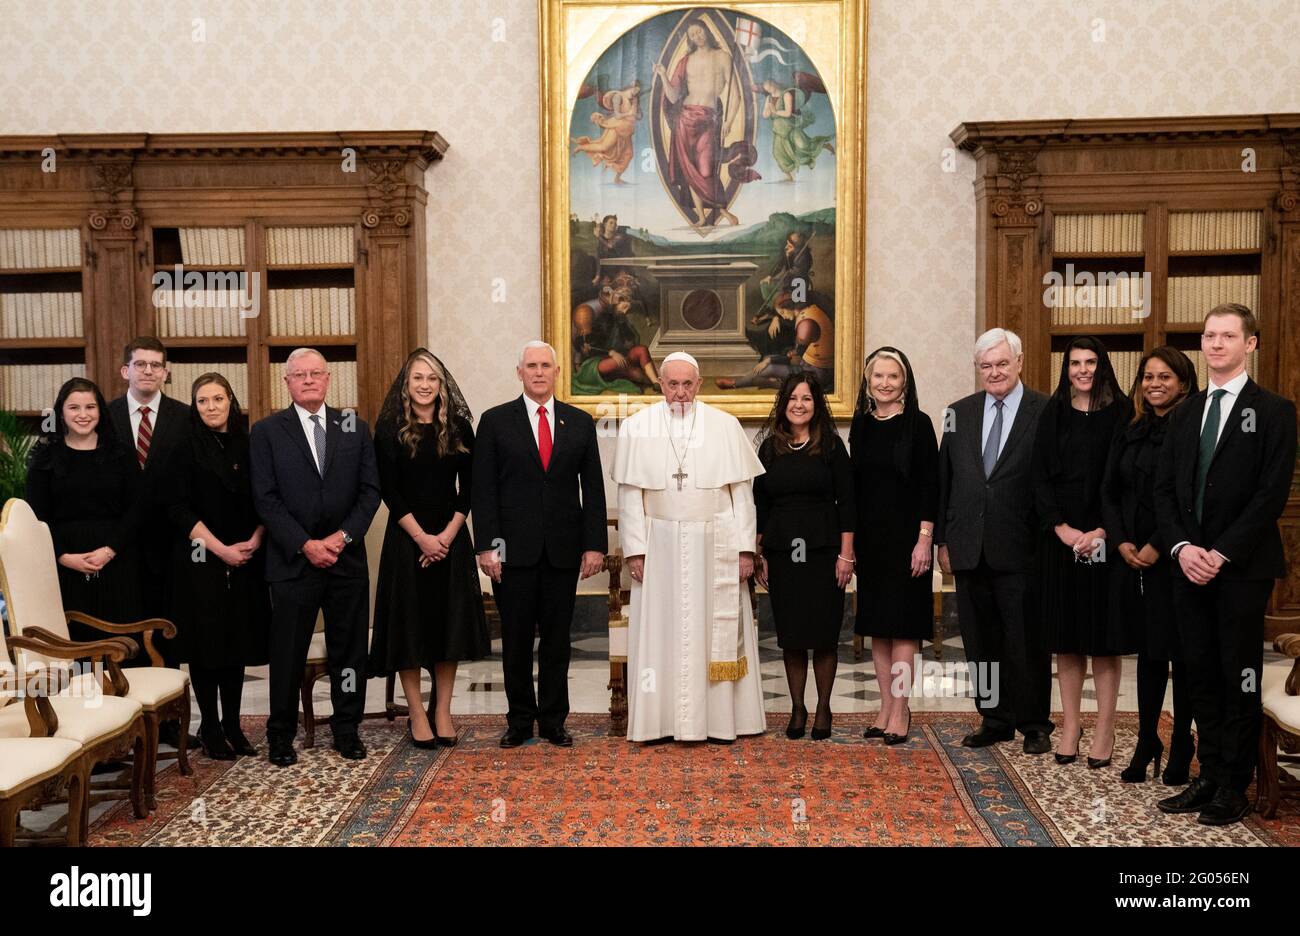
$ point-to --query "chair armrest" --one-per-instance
(1289, 644)
(145, 627)
(112, 651)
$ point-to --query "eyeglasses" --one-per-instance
(303, 375)
(145, 367)
(999, 365)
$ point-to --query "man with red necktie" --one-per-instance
(534, 535)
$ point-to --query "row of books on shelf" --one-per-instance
(46, 248)
(183, 374)
(1121, 302)
(1190, 297)
(34, 387)
(216, 315)
(344, 391)
(212, 246)
(40, 315)
(287, 246)
(316, 311)
(1097, 233)
(1215, 230)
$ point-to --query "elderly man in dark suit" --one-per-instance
(1224, 477)
(986, 534)
(534, 535)
(316, 486)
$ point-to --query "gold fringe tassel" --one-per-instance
(729, 671)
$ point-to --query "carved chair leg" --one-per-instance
(139, 764)
(1267, 788)
(77, 808)
(8, 823)
(152, 723)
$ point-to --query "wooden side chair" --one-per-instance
(1280, 690)
(31, 588)
(39, 768)
(63, 727)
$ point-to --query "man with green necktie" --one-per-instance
(1224, 476)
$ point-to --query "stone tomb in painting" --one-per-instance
(702, 308)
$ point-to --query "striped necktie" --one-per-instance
(144, 437)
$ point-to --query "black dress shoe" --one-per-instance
(1227, 807)
(350, 747)
(1064, 759)
(1147, 750)
(515, 737)
(1196, 797)
(282, 754)
(821, 733)
(239, 743)
(986, 736)
(1037, 742)
(559, 737)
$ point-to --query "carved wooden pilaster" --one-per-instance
(111, 255)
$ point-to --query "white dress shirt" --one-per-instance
(134, 406)
(309, 428)
(533, 420)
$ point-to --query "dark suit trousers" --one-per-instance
(996, 612)
(1222, 628)
(536, 599)
(294, 606)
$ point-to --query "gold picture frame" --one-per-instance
(578, 35)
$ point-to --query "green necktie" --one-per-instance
(1209, 439)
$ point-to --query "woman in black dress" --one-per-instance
(1141, 586)
(896, 473)
(1071, 448)
(805, 510)
(85, 484)
(428, 605)
(220, 602)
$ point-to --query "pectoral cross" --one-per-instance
(680, 476)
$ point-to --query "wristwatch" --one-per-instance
(347, 538)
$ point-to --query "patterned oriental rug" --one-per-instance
(605, 791)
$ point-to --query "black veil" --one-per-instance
(392, 415)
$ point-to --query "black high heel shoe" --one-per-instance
(1071, 758)
(874, 732)
(821, 734)
(793, 732)
(1096, 763)
(1143, 754)
(1179, 767)
(427, 744)
(239, 743)
(213, 742)
(891, 738)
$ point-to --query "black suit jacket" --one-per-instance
(531, 512)
(1246, 489)
(297, 504)
(171, 433)
(994, 517)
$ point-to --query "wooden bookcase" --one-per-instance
(1156, 182)
(145, 208)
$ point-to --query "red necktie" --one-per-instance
(543, 437)
(146, 434)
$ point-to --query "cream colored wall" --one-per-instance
(468, 68)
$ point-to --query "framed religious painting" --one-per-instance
(704, 183)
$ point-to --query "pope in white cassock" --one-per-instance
(687, 529)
